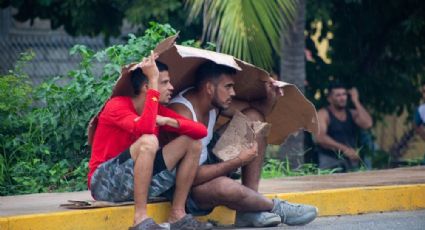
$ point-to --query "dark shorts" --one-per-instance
(113, 180)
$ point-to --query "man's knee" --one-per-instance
(253, 114)
(196, 146)
(146, 144)
(228, 190)
(193, 146)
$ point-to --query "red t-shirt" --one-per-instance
(119, 126)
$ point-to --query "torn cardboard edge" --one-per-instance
(239, 134)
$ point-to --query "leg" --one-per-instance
(252, 209)
(251, 204)
(227, 192)
(251, 172)
(185, 152)
(143, 153)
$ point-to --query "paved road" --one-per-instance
(414, 220)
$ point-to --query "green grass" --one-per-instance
(275, 168)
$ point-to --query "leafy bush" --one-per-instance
(44, 147)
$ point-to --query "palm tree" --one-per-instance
(292, 66)
(248, 29)
(254, 30)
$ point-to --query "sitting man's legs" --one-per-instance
(252, 208)
(115, 179)
(143, 153)
(183, 153)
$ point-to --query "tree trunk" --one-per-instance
(292, 70)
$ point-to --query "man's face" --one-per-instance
(164, 87)
(224, 91)
(338, 98)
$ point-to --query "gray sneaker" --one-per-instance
(294, 214)
(256, 219)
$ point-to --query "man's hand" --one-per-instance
(278, 86)
(161, 121)
(351, 154)
(149, 67)
(354, 94)
(247, 155)
(273, 89)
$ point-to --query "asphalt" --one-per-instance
(412, 220)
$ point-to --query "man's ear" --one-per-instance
(210, 88)
(328, 98)
(144, 88)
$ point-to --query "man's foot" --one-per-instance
(188, 222)
(149, 224)
(294, 214)
(257, 219)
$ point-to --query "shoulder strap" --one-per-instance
(182, 100)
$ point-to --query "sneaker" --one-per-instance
(256, 219)
(188, 222)
(149, 224)
(294, 214)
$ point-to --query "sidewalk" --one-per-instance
(338, 194)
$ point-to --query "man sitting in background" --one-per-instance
(339, 129)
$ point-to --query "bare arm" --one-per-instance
(264, 106)
(361, 117)
(208, 172)
(327, 142)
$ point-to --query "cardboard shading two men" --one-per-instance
(157, 136)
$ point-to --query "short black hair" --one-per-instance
(211, 70)
(335, 85)
(161, 66)
(138, 78)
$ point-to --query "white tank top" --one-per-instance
(211, 122)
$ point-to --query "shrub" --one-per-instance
(44, 147)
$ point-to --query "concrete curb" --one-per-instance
(347, 201)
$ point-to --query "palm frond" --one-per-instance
(248, 29)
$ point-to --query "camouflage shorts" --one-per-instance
(113, 180)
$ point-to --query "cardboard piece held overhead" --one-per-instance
(292, 113)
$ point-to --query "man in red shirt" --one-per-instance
(128, 164)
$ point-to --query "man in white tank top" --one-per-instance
(211, 96)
